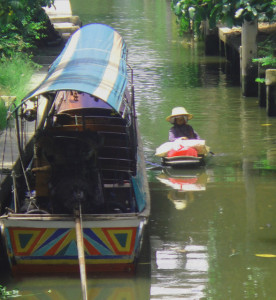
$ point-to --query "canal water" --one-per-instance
(212, 231)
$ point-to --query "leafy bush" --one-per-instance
(267, 61)
(266, 53)
(190, 13)
(11, 41)
(268, 46)
(23, 23)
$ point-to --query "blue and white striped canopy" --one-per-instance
(94, 62)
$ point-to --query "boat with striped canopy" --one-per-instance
(79, 192)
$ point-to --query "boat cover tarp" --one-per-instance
(94, 62)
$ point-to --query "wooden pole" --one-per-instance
(249, 51)
(15, 192)
(270, 81)
(81, 256)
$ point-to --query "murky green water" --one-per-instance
(208, 226)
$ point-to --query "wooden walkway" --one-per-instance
(61, 8)
(62, 19)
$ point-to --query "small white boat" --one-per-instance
(183, 153)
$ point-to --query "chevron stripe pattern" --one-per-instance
(60, 244)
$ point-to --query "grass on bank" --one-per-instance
(15, 75)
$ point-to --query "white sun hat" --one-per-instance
(178, 111)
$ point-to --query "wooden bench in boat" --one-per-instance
(116, 164)
(115, 177)
(116, 152)
(66, 119)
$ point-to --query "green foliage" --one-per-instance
(266, 61)
(268, 46)
(190, 13)
(260, 80)
(12, 41)
(16, 73)
(5, 294)
(3, 124)
(266, 52)
(236, 12)
(22, 24)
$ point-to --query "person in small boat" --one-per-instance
(179, 118)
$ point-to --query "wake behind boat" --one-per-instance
(78, 193)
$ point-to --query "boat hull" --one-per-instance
(183, 161)
(44, 246)
(183, 153)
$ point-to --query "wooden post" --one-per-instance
(81, 255)
(270, 81)
(249, 51)
(211, 39)
(261, 86)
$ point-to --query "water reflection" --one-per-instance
(180, 263)
(183, 182)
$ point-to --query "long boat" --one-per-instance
(79, 192)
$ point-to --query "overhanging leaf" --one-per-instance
(239, 13)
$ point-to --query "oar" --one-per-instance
(154, 166)
(79, 235)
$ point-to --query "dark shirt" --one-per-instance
(182, 131)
